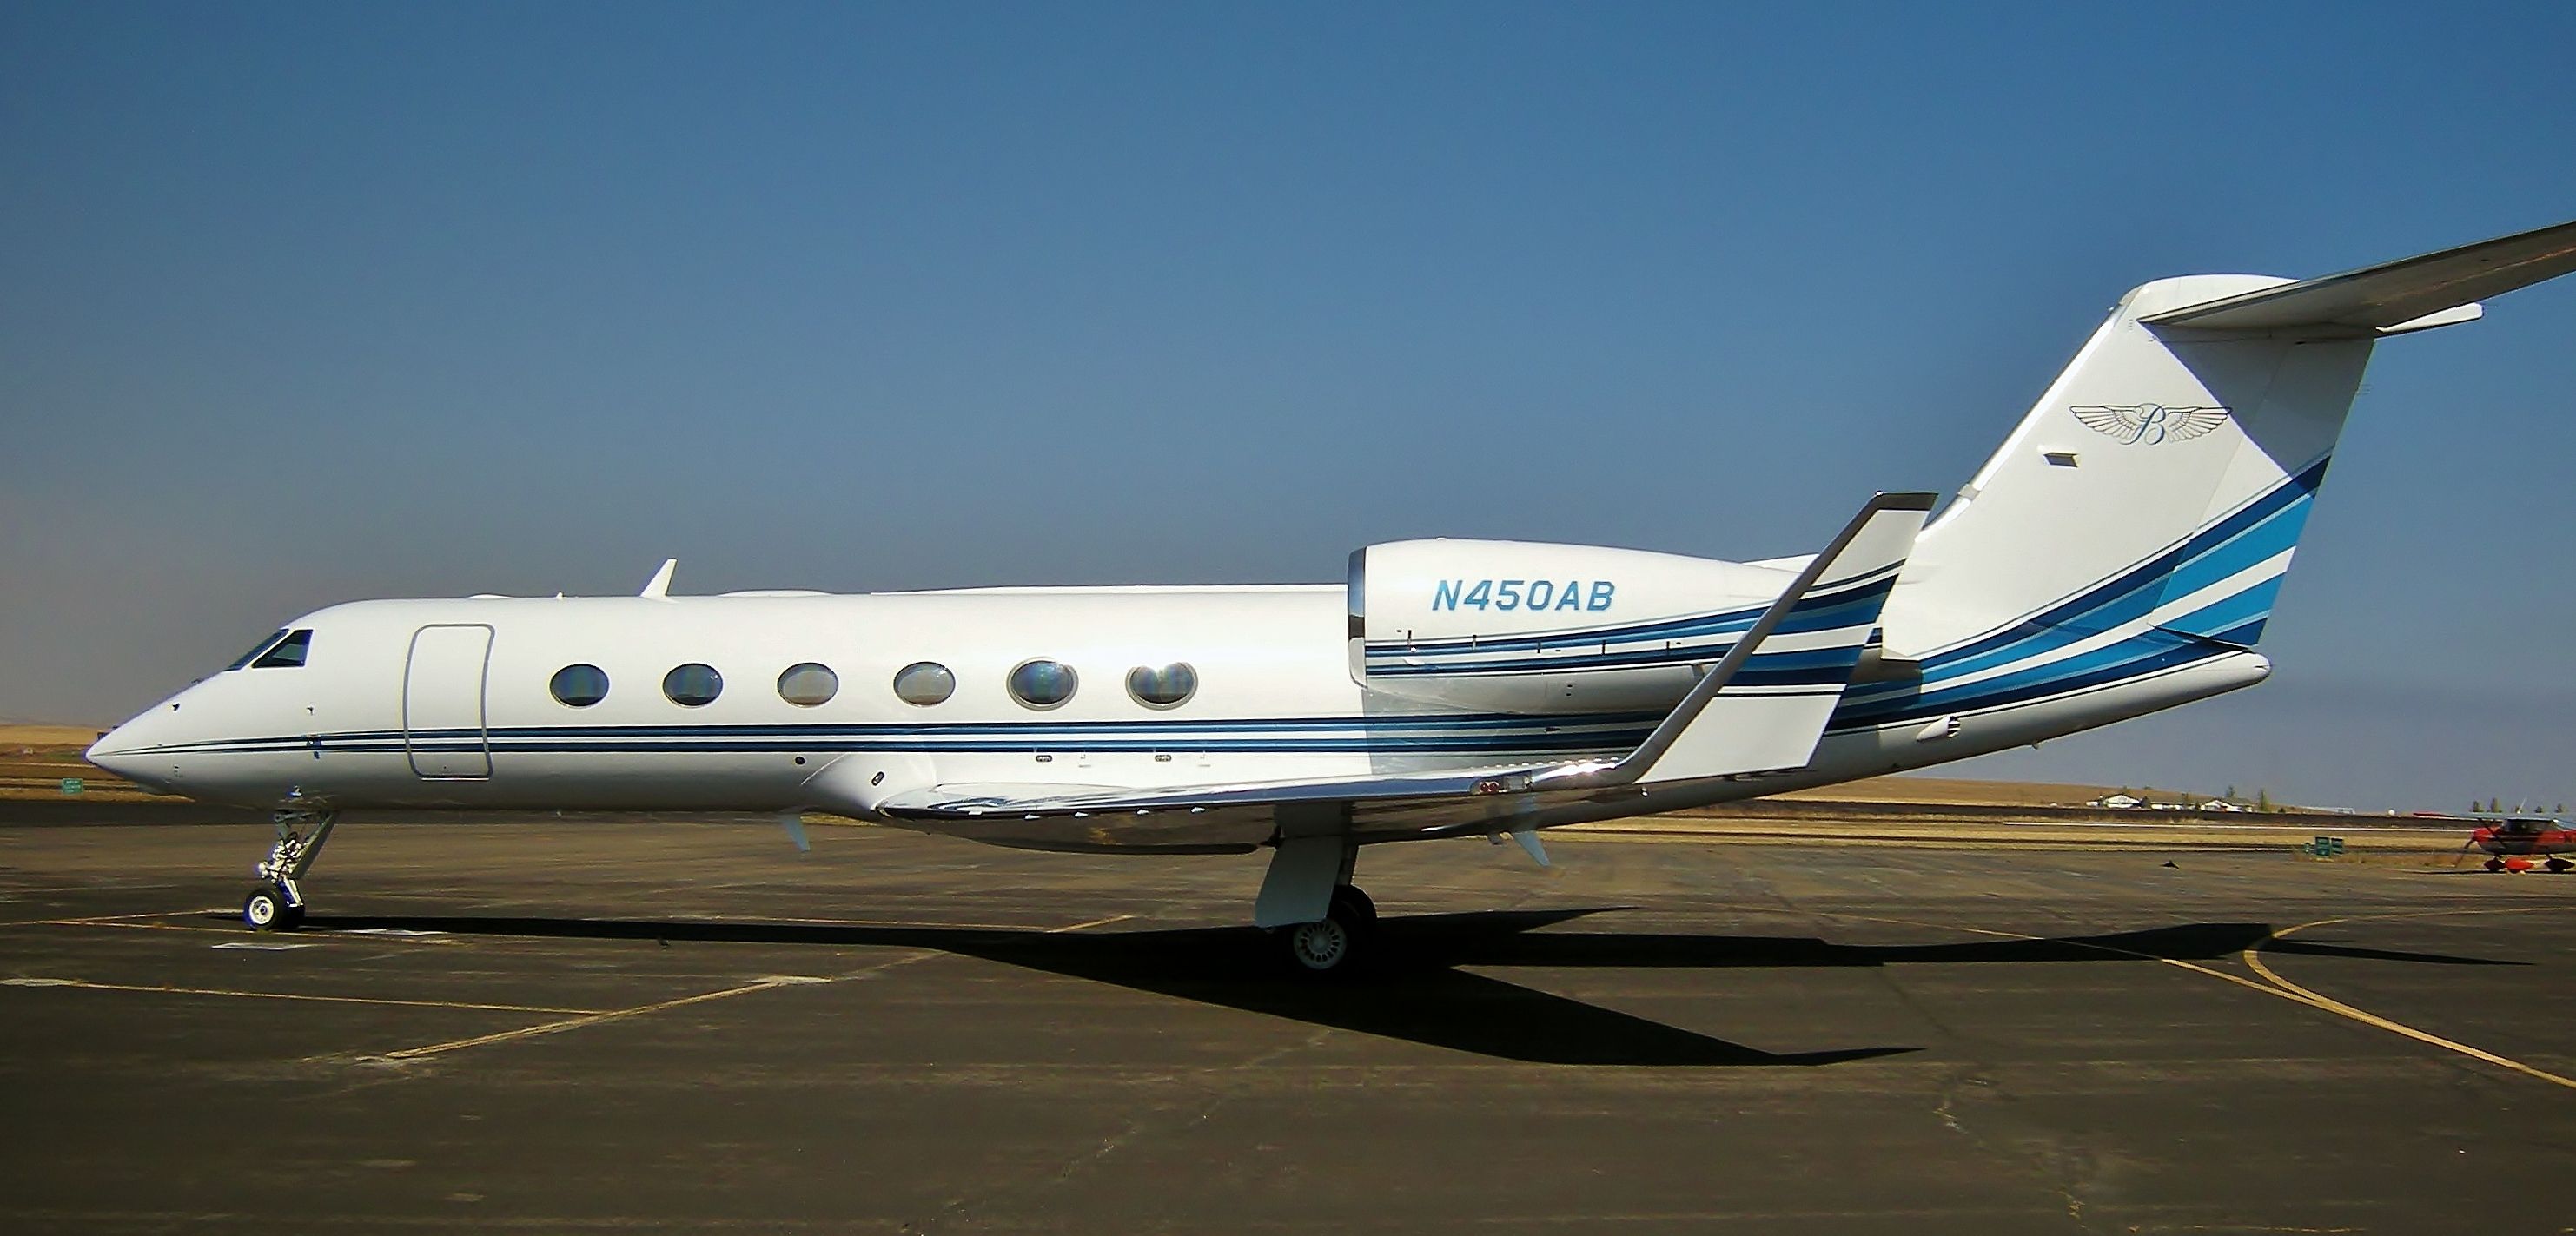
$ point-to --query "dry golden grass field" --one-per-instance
(35, 759)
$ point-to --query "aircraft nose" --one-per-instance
(109, 751)
(118, 751)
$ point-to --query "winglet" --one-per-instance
(1764, 706)
(659, 586)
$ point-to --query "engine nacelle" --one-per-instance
(1521, 626)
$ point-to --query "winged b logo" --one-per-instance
(2149, 424)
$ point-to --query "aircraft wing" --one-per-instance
(1744, 717)
(1233, 817)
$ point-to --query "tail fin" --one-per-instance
(2163, 479)
(2155, 470)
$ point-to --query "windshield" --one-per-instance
(288, 652)
(256, 649)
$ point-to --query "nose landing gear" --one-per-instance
(277, 902)
(267, 909)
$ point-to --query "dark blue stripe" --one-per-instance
(1718, 623)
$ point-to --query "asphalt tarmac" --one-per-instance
(565, 1026)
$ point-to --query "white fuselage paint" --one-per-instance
(1275, 701)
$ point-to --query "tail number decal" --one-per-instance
(1509, 594)
(2149, 424)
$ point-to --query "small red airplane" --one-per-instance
(2513, 841)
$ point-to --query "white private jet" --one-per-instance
(2118, 555)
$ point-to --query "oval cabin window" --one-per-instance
(1163, 686)
(924, 683)
(808, 684)
(693, 685)
(579, 686)
(1042, 684)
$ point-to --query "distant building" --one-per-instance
(2221, 804)
(2120, 802)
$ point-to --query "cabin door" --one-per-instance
(443, 703)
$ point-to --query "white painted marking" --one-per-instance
(259, 946)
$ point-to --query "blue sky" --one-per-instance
(306, 303)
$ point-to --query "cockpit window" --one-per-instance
(265, 643)
(287, 652)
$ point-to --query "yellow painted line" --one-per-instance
(114, 920)
(2246, 983)
(229, 931)
(591, 1019)
(853, 922)
(281, 995)
(2285, 989)
(1097, 922)
(2253, 957)
(597, 1018)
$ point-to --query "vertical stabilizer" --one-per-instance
(2160, 482)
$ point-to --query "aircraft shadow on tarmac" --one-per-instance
(1418, 992)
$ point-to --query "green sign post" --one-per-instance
(2323, 847)
(71, 785)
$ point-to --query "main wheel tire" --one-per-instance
(2495, 864)
(1331, 947)
(2557, 865)
(266, 909)
(1350, 894)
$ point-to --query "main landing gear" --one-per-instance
(1321, 922)
(277, 902)
(1337, 942)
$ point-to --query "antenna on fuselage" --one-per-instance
(660, 585)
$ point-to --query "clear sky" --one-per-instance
(306, 303)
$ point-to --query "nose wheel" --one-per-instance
(267, 909)
(276, 903)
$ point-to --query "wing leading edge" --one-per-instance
(1768, 722)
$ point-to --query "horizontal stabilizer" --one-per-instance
(2402, 294)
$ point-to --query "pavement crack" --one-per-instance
(2062, 1169)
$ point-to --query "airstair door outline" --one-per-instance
(443, 727)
